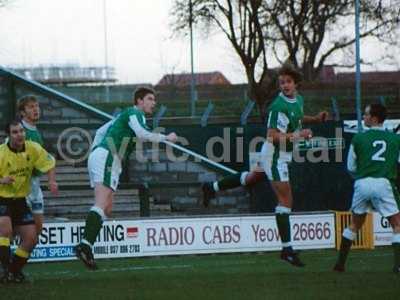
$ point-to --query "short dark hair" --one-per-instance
(23, 101)
(141, 92)
(378, 111)
(15, 122)
(290, 70)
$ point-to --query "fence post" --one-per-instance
(158, 116)
(335, 109)
(246, 112)
(382, 100)
(144, 197)
(206, 114)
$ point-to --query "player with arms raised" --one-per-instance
(284, 127)
(285, 121)
(105, 163)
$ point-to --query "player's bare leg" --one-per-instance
(28, 237)
(38, 218)
(5, 239)
(108, 207)
(283, 192)
(94, 222)
(349, 235)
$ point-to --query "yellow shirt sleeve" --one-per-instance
(44, 161)
(19, 166)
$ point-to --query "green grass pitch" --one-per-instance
(206, 277)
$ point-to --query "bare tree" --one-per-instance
(240, 21)
(308, 33)
(170, 78)
(312, 32)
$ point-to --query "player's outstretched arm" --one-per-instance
(143, 133)
(172, 137)
(321, 117)
(277, 137)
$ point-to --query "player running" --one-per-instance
(372, 160)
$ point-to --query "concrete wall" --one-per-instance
(185, 199)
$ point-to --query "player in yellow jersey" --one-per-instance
(18, 158)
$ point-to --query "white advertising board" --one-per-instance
(155, 237)
(382, 231)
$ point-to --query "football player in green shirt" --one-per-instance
(29, 111)
(117, 140)
(372, 160)
(285, 121)
(284, 128)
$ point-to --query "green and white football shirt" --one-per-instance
(373, 158)
(113, 143)
(122, 131)
(32, 134)
(374, 153)
(285, 115)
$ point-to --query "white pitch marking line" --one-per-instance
(133, 268)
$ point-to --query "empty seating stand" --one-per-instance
(76, 197)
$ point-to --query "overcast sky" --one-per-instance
(140, 47)
(56, 32)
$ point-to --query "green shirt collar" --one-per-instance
(377, 127)
(28, 126)
(287, 99)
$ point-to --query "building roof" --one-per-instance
(68, 74)
(184, 79)
(377, 76)
(327, 73)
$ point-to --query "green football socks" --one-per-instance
(396, 249)
(345, 246)
(282, 216)
(94, 222)
(283, 223)
(230, 182)
(344, 250)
